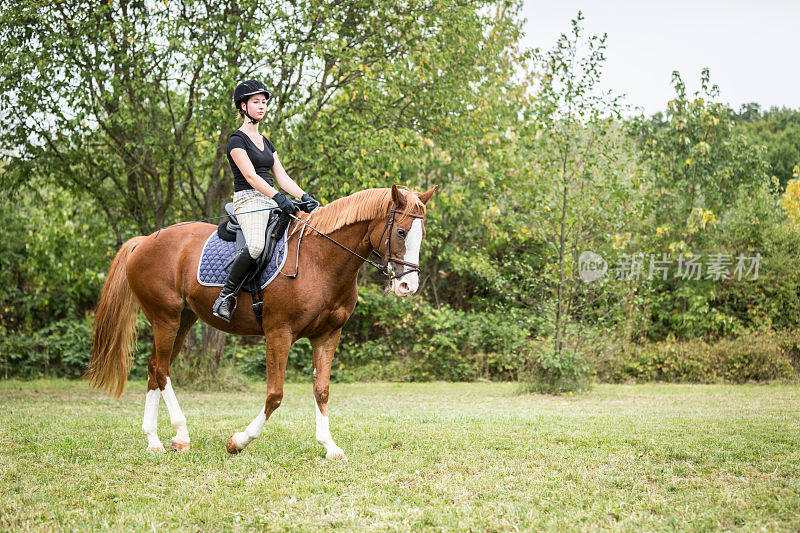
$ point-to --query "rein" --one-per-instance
(384, 267)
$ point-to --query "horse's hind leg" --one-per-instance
(168, 337)
(151, 401)
(180, 442)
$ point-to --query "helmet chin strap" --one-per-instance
(252, 120)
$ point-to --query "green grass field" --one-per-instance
(437, 456)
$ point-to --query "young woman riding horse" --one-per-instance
(252, 156)
(160, 274)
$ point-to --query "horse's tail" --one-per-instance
(114, 327)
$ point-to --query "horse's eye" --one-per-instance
(402, 233)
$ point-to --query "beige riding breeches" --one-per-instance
(254, 225)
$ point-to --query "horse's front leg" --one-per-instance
(278, 345)
(323, 349)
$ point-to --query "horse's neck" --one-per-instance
(343, 264)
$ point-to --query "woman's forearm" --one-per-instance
(259, 184)
(287, 184)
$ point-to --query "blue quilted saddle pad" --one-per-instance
(216, 254)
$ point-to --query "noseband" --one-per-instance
(385, 266)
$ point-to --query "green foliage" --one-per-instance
(753, 226)
(757, 225)
(61, 349)
(251, 358)
(758, 356)
(686, 308)
(411, 340)
(358, 88)
(583, 187)
(202, 363)
(195, 373)
(778, 131)
(697, 160)
(54, 254)
(21, 355)
(556, 372)
(710, 193)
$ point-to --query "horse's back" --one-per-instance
(162, 264)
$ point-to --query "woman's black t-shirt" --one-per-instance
(262, 159)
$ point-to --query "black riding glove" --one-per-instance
(284, 204)
(309, 203)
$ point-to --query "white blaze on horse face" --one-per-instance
(409, 283)
(150, 421)
(176, 417)
(251, 432)
(323, 435)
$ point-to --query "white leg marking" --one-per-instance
(409, 283)
(175, 415)
(150, 421)
(243, 438)
(323, 435)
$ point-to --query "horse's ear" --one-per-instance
(424, 197)
(398, 198)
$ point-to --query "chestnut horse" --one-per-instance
(160, 274)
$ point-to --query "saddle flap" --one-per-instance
(266, 253)
(240, 242)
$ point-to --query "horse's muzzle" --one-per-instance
(406, 284)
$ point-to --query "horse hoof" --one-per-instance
(336, 454)
(180, 446)
(155, 449)
(230, 445)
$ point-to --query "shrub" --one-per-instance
(757, 356)
(250, 357)
(411, 340)
(61, 349)
(552, 372)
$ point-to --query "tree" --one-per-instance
(130, 102)
(574, 144)
(778, 131)
(700, 168)
(697, 159)
(581, 191)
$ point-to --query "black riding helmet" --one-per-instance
(245, 90)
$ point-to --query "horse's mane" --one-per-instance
(359, 206)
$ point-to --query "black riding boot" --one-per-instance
(226, 303)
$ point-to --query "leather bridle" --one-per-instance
(384, 266)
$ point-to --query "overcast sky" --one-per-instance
(752, 48)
